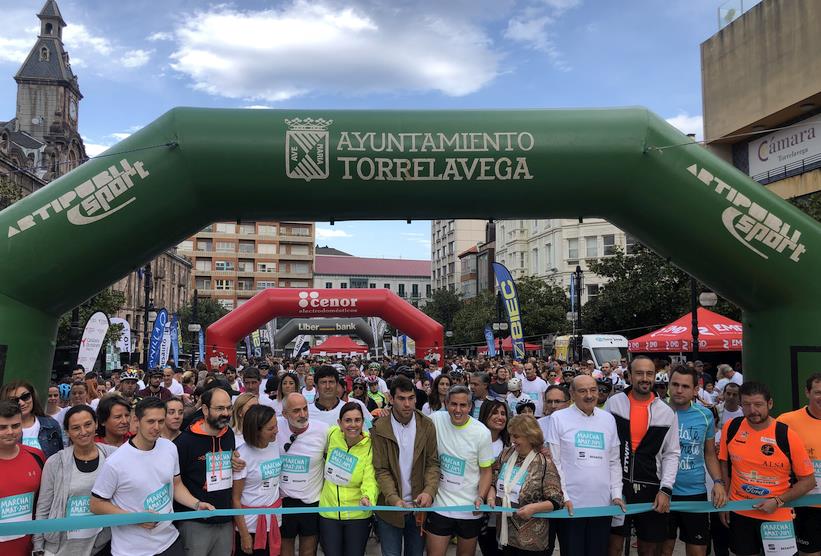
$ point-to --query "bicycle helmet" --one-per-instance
(662, 378)
(514, 384)
(65, 391)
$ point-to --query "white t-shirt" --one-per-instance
(30, 435)
(175, 388)
(722, 382)
(737, 378)
(261, 473)
(535, 389)
(310, 395)
(136, 481)
(94, 403)
(544, 424)
(513, 401)
(331, 417)
(585, 449)
(303, 462)
(462, 451)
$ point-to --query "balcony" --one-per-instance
(283, 238)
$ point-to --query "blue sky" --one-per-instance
(137, 58)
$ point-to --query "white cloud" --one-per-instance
(77, 37)
(325, 233)
(413, 234)
(14, 49)
(688, 124)
(530, 27)
(257, 107)
(136, 58)
(120, 136)
(160, 36)
(94, 149)
(278, 54)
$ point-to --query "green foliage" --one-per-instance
(470, 320)
(9, 192)
(544, 306)
(644, 292)
(811, 204)
(442, 307)
(209, 311)
(109, 301)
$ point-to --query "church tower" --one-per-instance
(48, 96)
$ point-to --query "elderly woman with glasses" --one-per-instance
(39, 430)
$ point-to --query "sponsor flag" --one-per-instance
(155, 342)
(271, 327)
(175, 340)
(165, 346)
(248, 351)
(301, 344)
(93, 335)
(201, 341)
(124, 343)
(510, 299)
(256, 343)
(491, 345)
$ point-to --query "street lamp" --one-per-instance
(706, 299)
(578, 276)
(147, 287)
(195, 327)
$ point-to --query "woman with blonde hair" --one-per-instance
(242, 404)
(525, 479)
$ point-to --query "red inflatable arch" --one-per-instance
(224, 334)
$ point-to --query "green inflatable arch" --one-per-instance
(192, 167)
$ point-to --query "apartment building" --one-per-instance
(449, 238)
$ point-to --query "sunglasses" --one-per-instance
(290, 442)
(17, 399)
(358, 387)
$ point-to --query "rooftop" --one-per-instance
(363, 266)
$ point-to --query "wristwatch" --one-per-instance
(719, 482)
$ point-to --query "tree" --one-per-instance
(109, 301)
(811, 204)
(470, 320)
(209, 311)
(10, 192)
(543, 305)
(443, 306)
(644, 292)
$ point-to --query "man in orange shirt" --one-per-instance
(757, 457)
(806, 422)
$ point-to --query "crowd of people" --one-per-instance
(328, 439)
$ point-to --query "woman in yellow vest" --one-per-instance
(349, 481)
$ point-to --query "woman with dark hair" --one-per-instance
(257, 485)
(113, 421)
(65, 490)
(289, 382)
(39, 430)
(350, 480)
(493, 415)
(436, 400)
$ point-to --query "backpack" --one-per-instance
(781, 440)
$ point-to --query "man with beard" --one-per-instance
(155, 387)
(649, 452)
(205, 449)
(128, 387)
(758, 455)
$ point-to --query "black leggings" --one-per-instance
(488, 543)
(344, 537)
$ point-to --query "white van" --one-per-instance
(596, 347)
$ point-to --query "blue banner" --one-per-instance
(202, 345)
(510, 299)
(491, 345)
(156, 338)
(248, 351)
(175, 340)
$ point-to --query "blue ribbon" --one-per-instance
(115, 520)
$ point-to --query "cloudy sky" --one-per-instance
(137, 58)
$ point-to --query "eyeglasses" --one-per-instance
(290, 442)
(358, 387)
(17, 399)
(220, 408)
(554, 402)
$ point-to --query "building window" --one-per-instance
(224, 265)
(415, 291)
(534, 260)
(245, 284)
(203, 283)
(450, 226)
(204, 245)
(226, 246)
(203, 264)
(609, 244)
(631, 244)
(247, 229)
(44, 54)
(329, 285)
(401, 290)
(592, 291)
(573, 249)
(522, 262)
(299, 268)
(187, 245)
(266, 248)
(343, 285)
(299, 284)
(451, 247)
(267, 267)
(226, 228)
(264, 285)
(451, 268)
(372, 286)
(591, 247)
(427, 290)
(300, 231)
(359, 282)
(387, 287)
(267, 230)
(223, 285)
(245, 266)
(299, 250)
(548, 257)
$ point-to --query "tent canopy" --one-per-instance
(507, 345)
(715, 333)
(338, 344)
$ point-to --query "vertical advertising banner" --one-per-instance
(301, 344)
(155, 343)
(256, 343)
(271, 328)
(201, 341)
(510, 299)
(175, 340)
(248, 351)
(93, 335)
(491, 345)
(124, 343)
(165, 346)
